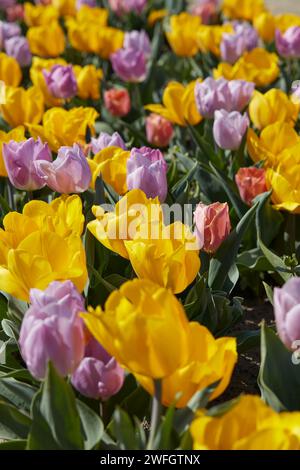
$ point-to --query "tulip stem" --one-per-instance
(155, 413)
(10, 193)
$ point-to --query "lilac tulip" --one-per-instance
(288, 44)
(147, 170)
(98, 375)
(229, 129)
(20, 160)
(89, 3)
(121, 7)
(212, 95)
(69, 173)
(18, 47)
(105, 140)
(52, 330)
(4, 4)
(7, 31)
(287, 311)
(61, 81)
(245, 38)
(139, 41)
(129, 65)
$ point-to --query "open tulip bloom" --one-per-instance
(149, 229)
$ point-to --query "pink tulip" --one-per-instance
(159, 130)
(287, 311)
(250, 182)
(212, 225)
(117, 101)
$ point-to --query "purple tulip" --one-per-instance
(4, 4)
(234, 45)
(212, 95)
(89, 3)
(129, 65)
(105, 140)
(121, 7)
(20, 162)
(61, 81)
(7, 31)
(287, 311)
(98, 375)
(288, 44)
(52, 330)
(147, 170)
(139, 41)
(229, 129)
(18, 47)
(69, 173)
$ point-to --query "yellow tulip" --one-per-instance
(42, 245)
(63, 215)
(22, 106)
(156, 15)
(265, 25)
(286, 21)
(36, 15)
(88, 33)
(284, 180)
(273, 140)
(47, 40)
(209, 37)
(209, 361)
(182, 34)
(90, 15)
(179, 105)
(273, 106)
(61, 127)
(17, 134)
(249, 425)
(65, 7)
(258, 66)
(243, 9)
(112, 229)
(169, 257)
(38, 79)
(10, 70)
(111, 164)
(144, 327)
(88, 81)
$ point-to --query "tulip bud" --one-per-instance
(250, 182)
(147, 170)
(7, 31)
(15, 13)
(229, 129)
(159, 130)
(20, 159)
(18, 48)
(288, 44)
(61, 81)
(212, 225)
(206, 9)
(52, 330)
(117, 101)
(69, 173)
(121, 7)
(105, 140)
(139, 41)
(98, 375)
(129, 65)
(287, 311)
(245, 38)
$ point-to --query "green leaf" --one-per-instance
(247, 339)
(18, 393)
(92, 425)
(279, 377)
(13, 423)
(58, 409)
(166, 431)
(225, 257)
(16, 444)
(183, 183)
(3, 307)
(123, 430)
